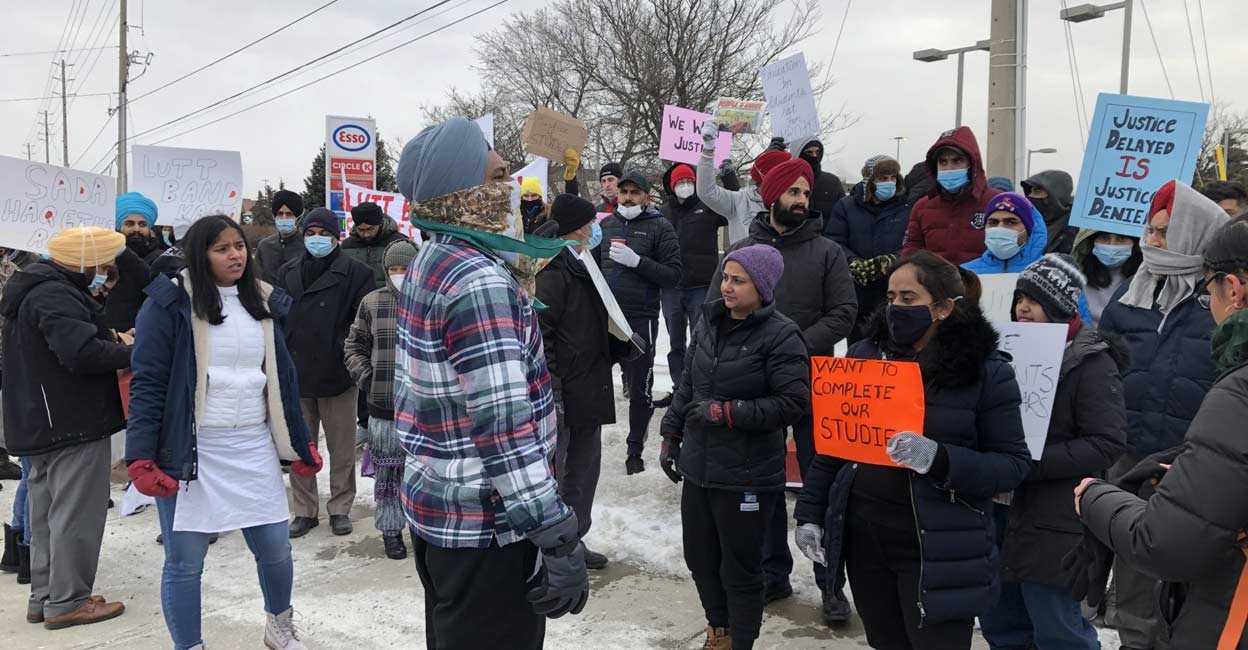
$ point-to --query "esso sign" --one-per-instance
(350, 137)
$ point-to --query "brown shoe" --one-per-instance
(92, 611)
(717, 638)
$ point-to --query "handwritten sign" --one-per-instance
(547, 133)
(786, 84)
(739, 116)
(998, 299)
(38, 200)
(859, 404)
(1037, 349)
(680, 139)
(1135, 146)
(391, 203)
(187, 184)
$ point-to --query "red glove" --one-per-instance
(714, 413)
(301, 468)
(149, 480)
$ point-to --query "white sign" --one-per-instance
(187, 184)
(998, 298)
(790, 99)
(1037, 349)
(540, 167)
(486, 122)
(38, 200)
(617, 324)
(392, 203)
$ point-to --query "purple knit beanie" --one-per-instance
(1014, 203)
(764, 264)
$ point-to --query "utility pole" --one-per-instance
(1005, 88)
(29, 147)
(64, 118)
(123, 71)
(47, 140)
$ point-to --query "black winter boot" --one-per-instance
(9, 562)
(395, 549)
(23, 568)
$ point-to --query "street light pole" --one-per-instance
(899, 139)
(1126, 47)
(1031, 151)
(931, 55)
(1086, 12)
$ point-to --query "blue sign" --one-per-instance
(1136, 145)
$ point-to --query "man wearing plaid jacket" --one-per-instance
(474, 409)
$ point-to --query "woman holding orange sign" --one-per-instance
(917, 536)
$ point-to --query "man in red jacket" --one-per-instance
(949, 221)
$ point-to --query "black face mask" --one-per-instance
(908, 324)
(529, 207)
(789, 218)
(141, 245)
(1041, 204)
(815, 162)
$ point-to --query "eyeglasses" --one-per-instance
(1204, 299)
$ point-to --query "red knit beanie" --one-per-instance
(781, 178)
(1163, 199)
(766, 162)
(680, 173)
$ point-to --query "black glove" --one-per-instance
(563, 585)
(1087, 569)
(669, 456)
(777, 144)
(1139, 480)
(711, 413)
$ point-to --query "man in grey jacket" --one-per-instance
(738, 206)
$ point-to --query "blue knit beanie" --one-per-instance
(135, 203)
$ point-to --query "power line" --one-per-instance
(1200, 8)
(209, 65)
(837, 45)
(1157, 48)
(1191, 38)
(60, 44)
(337, 72)
(92, 143)
(1072, 52)
(98, 55)
(1070, 67)
(32, 99)
(77, 49)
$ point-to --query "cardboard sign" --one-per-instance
(859, 404)
(187, 184)
(392, 203)
(739, 116)
(1135, 146)
(38, 200)
(1037, 349)
(786, 84)
(617, 324)
(998, 299)
(680, 139)
(548, 133)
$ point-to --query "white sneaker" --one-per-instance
(280, 632)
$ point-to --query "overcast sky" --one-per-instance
(877, 77)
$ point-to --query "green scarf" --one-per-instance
(1230, 341)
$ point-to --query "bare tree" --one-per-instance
(1225, 123)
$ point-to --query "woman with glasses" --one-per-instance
(1166, 328)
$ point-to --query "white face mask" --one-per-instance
(684, 190)
(629, 212)
(397, 279)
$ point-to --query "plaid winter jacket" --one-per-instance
(369, 350)
(473, 402)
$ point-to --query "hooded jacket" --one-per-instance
(61, 360)
(816, 290)
(1060, 188)
(697, 231)
(274, 252)
(371, 253)
(828, 189)
(952, 225)
(738, 206)
(865, 229)
(1032, 250)
(654, 239)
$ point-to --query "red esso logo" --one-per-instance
(350, 137)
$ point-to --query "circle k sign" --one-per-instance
(351, 137)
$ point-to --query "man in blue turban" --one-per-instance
(473, 406)
(123, 295)
(136, 219)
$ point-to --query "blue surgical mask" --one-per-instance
(285, 225)
(885, 191)
(1112, 255)
(1002, 242)
(97, 282)
(318, 245)
(164, 234)
(595, 237)
(953, 179)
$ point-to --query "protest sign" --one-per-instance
(548, 133)
(786, 84)
(486, 122)
(617, 324)
(391, 203)
(1135, 146)
(187, 184)
(739, 116)
(998, 296)
(680, 139)
(859, 404)
(1037, 349)
(37, 200)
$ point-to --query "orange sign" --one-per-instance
(860, 403)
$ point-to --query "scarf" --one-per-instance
(1229, 342)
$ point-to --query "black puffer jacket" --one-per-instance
(865, 229)
(273, 252)
(1170, 372)
(576, 341)
(1059, 186)
(372, 252)
(1186, 533)
(973, 412)
(761, 367)
(58, 345)
(697, 230)
(1087, 434)
(816, 290)
(123, 301)
(654, 239)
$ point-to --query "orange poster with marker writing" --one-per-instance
(859, 404)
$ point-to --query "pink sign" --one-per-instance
(681, 137)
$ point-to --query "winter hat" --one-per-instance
(766, 162)
(764, 264)
(399, 253)
(531, 185)
(1001, 183)
(681, 173)
(324, 218)
(1014, 203)
(367, 213)
(781, 178)
(636, 178)
(85, 247)
(1163, 199)
(1056, 283)
(287, 199)
(443, 159)
(611, 169)
(882, 163)
(135, 203)
(571, 212)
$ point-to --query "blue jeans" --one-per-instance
(21, 507)
(681, 310)
(184, 565)
(1031, 615)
